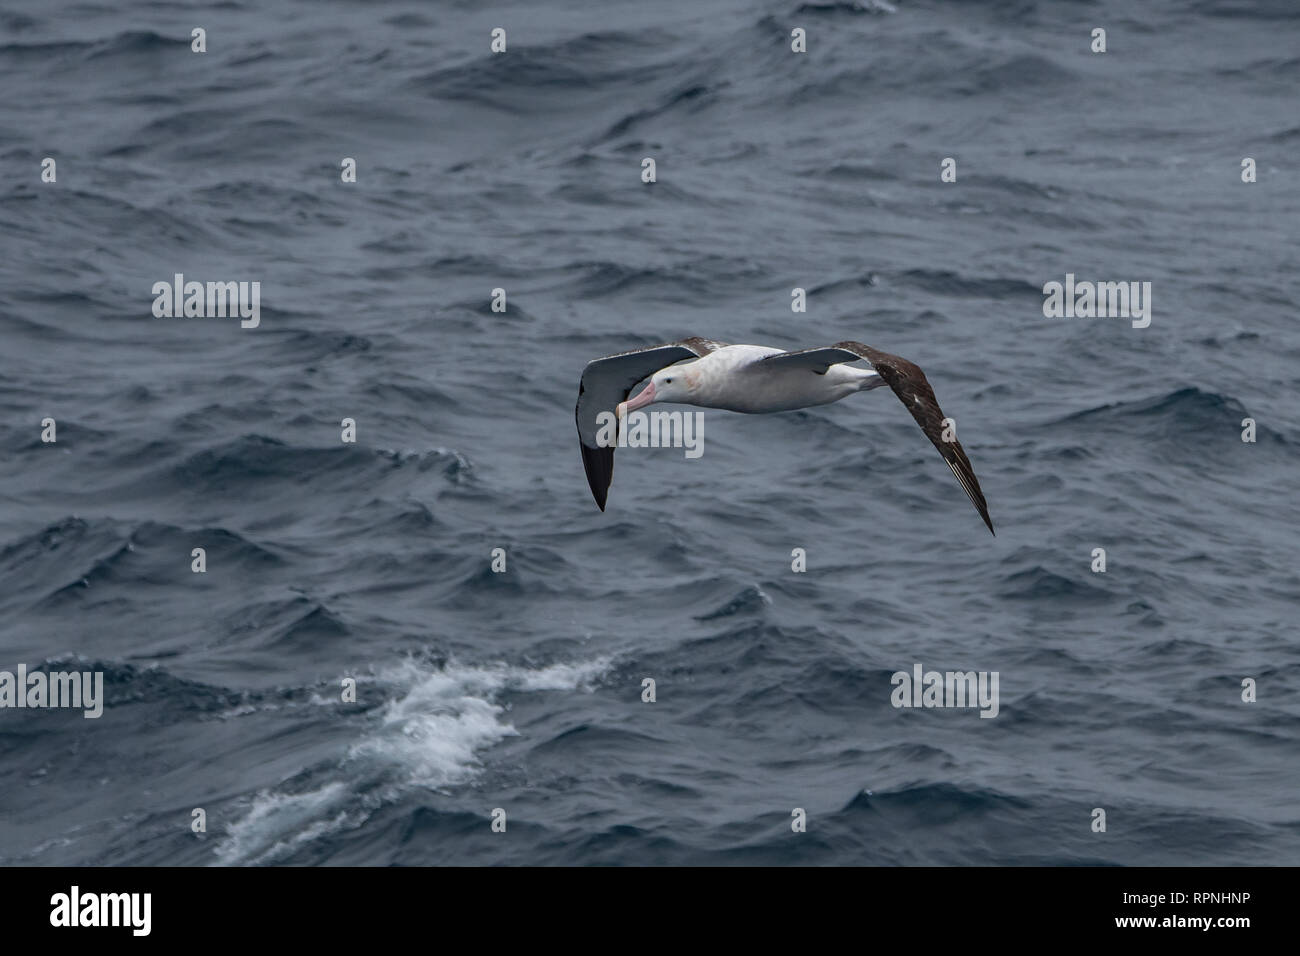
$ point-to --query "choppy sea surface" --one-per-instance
(522, 690)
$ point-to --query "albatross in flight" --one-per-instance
(753, 379)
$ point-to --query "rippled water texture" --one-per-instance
(522, 690)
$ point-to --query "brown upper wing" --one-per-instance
(912, 388)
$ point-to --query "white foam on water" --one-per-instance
(278, 822)
(436, 730)
(429, 735)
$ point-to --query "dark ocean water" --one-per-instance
(522, 690)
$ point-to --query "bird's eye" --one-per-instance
(668, 381)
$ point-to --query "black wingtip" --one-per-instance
(966, 478)
(973, 492)
(599, 495)
(599, 466)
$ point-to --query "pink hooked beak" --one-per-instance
(646, 396)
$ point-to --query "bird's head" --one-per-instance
(666, 385)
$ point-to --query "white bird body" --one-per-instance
(736, 379)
